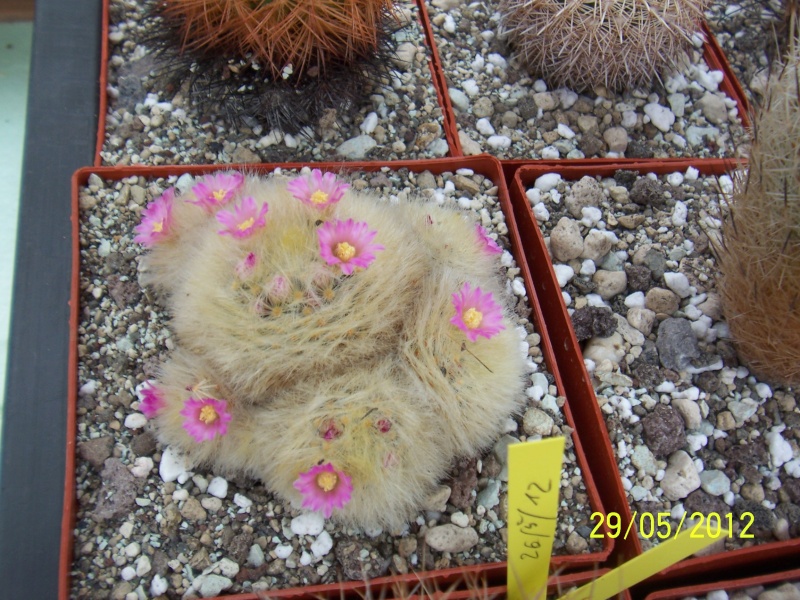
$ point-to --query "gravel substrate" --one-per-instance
(746, 32)
(502, 110)
(692, 429)
(147, 125)
(202, 534)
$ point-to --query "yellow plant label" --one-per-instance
(649, 563)
(534, 481)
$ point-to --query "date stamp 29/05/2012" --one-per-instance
(659, 525)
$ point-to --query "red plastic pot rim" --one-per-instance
(448, 121)
(729, 585)
(485, 165)
(589, 419)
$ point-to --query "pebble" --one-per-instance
(211, 585)
(218, 487)
(780, 451)
(356, 148)
(661, 301)
(322, 545)
(536, 422)
(546, 182)
(459, 99)
(566, 241)
(159, 586)
(283, 551)
(714, 482)
(308, 523)
(676, 343)
(489, 497)
(451, 538)
(142, 466)
(660, 116)
(255, 557)
(564, 274)
(460, 519)
(681, 477)
(610, 283)
(173, 465)
(678, 283)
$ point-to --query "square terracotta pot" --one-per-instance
(578, 383)
(431, 87)
(712, 55)
(491, 574)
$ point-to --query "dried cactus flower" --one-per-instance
(759, 255)
(287, 359)
(616, 43)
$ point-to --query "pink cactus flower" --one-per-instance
(477, 313)
(156, 220)
(205, 418)
(244, 220)
(488, 244)
(318, 190)
(151, 400)
(324, 488)
(213, 191)
(347, 244)
(246, 266)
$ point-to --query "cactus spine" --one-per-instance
(760, 251)
(616, 43)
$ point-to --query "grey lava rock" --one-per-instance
(676, 343)
(593, 321)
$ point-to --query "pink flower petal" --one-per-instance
(156, 220)
(347, 244)
(324, 488)
(317, 189)
(213, 191)
(205, 418)
(245, 219)
(488, 244)
(477, 313)
(151, 400)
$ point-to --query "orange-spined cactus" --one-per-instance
(281, 63)
(281, 35)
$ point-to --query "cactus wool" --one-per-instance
(616, 43)
(342, 348)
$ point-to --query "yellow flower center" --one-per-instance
(208, 415)
(158, 226)
(326, 481)
(472, 318)
(319, 197)
(246, 224)
(344, 251)
(219, 195)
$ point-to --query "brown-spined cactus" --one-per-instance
(342, 348)
(616, 43)
(760, 251)
(280, 62)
